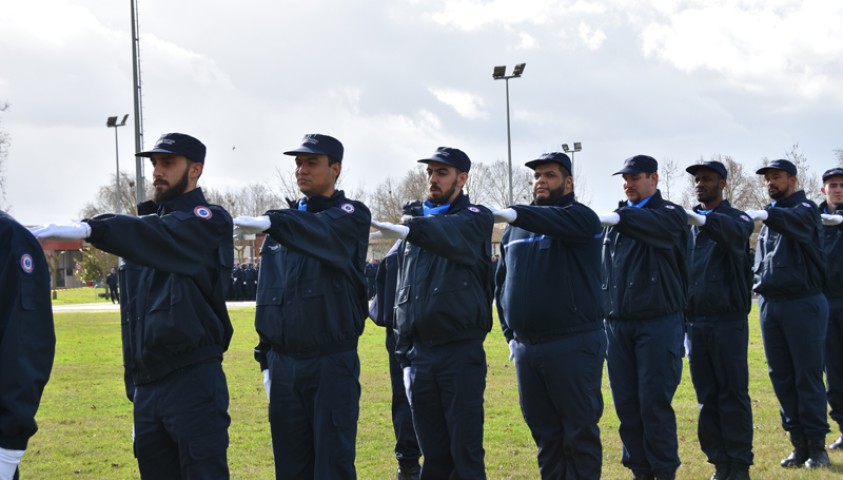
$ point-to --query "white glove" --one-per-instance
(9, 460)
(695, 218)
(507, 215)
(253, 224)
(512, 350)
(267, 382)
(609, 219)
(391, 230)
(407, 383)
(75, 231)
(757, 215)
(831, 219)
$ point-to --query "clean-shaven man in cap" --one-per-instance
(719, 300)
(789, 278)
(547, 288)
(311, 307)
(443, 311)
(645, 283)
(831, 211)
(179, 254)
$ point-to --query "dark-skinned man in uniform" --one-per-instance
(645, 284)
(789, 278)
(443, 311)
(831, 211)
(311, 305)
(178, 259)
(549, 305)
(719, 300)
(27, 340)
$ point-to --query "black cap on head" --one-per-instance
(834, 172)
(639, 164)
(178, 144)
(450, 156)
(319, 144)
(552, 157)
(714, 165)
(780, 164)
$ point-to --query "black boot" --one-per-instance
(408, 471)
(837, 445)
(642, 476)
(738, 473)
(799, 455)
(817, 456)
(721, 472)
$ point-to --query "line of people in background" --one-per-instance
(244, 282)
(573, 289)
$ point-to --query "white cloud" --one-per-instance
(592, 37)
(528, 42)
(467, 104)
(470, 15)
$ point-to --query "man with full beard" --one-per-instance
(443, 311)
(548, 300)
(719, 300)
(178, 258)
(789, 277)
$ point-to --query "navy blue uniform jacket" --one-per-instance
(548, 275)
(312, 291)
(443, 293)
(27, 338)
(789, 260)
(833, 246)
(382, 307)
(645, 274)
(720, 266)
(175, 280)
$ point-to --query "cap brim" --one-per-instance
(693, 169)
(304, 150)
(532, 164)
(438, 160)
(149, 153)
(762, 171)
(630, 170)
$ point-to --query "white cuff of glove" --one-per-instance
(507, 215)
(609, 219)
(9, 460)
(512, 350)
(391, 230)
(757, 215)
(267, 382)
(253, 224)
(832, 219)
(408, 382)
(76, 231)
(695, 218)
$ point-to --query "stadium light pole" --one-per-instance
(112, 123)
(499, 73)
(577, 148)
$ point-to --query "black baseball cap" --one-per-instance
(714, 165)
(319, 144)
(834, 172)
(450, 156)
(552, 157)
(639, 164)
(178, 144)
(780, 164)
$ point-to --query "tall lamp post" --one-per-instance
(112, 123)
(577, 148)
(499, 73)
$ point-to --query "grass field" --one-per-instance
(85, 419)
(74, 296)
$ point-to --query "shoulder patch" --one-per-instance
(806, 204)
(745, 218)
(347, 208)
(473, 209)
(26, 263)
(203, 212)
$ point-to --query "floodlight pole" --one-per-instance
(499, 73)
(572, 151)
(111, 122)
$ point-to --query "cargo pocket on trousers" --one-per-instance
(345, 431)
(207, 447)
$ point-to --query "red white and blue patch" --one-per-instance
(474, 209)
(203, 212)
(26, 263)
(347, 207)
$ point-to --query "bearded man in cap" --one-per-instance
(719, 300)
(789, 278)
(178, 258)
(311, 306)
(442, 315)
(645, 283)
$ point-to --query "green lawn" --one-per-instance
(74, 296)
(85, 419)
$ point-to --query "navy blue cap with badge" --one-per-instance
(639, 164)
(450, 156)
(552, 157)
(178, 144)
(780, 164)
(713, 165)
(319, 144)
(834, 172)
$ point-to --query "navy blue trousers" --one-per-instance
(447, 383)
(407, 449)
(181, 425)
(719, 370)
(314, 404)
(794, 342)
(834, 359)
(644, 360)
(559, 386)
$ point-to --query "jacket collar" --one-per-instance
(795, 199)
(415, 208)
(183, 203)
(318, 203)
(562, 201)
(655, 201)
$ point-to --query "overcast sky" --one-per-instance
(395, 79)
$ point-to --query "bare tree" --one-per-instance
(103, 201)
(838, 153)
(744, 189)
(806, 180)
(5, 140)
(667, 173)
